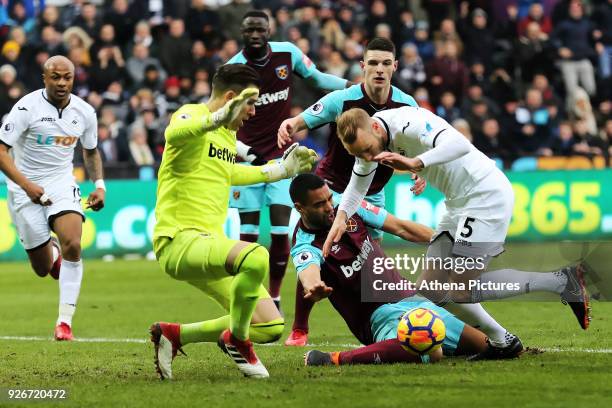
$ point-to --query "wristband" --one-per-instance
(100, 184)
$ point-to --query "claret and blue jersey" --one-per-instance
(336, 165)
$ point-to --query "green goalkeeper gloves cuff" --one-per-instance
(297, 159)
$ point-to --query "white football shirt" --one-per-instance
(452, 164)
(43, 137)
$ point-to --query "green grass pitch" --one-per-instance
(120, 299)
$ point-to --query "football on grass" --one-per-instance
(421, 331)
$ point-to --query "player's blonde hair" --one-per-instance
(349, 122)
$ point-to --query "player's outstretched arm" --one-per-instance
(33, 190)
(93, 165)
(407, 230)
(314, 288)
(296, 160)
(288, 128)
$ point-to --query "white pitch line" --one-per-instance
(345, 345)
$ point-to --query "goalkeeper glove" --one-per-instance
(297, 159)
(249, 154)
(230, 111)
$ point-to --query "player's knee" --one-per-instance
(255, 262)
(71, 248)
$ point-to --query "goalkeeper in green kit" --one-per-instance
(197, 170)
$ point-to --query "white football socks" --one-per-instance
(521, 283)
(475, 315)
(71, 274)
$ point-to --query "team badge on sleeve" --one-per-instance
(316, 108)
(303, 258)
(282, 71)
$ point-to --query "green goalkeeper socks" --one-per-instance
(210, 330)
(251, 267)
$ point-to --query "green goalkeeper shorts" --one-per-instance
(199, 259)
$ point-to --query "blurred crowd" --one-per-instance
(518, 78)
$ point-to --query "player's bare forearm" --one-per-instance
(407, 230)
(7, 166)
(288, 128)
(93, 164)
(314, 288)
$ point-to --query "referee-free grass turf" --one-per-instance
(120, 299)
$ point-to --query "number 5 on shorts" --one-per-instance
(467, 230)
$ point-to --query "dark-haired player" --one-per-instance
(197, 171)
(276, 63)
(344, 273)
(375, 94)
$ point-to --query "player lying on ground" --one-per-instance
(347, 272)
(479, 202)
(277, 63)
(373, 95)
(42, 130)
(198, 168)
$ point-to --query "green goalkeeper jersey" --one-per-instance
(196, 174)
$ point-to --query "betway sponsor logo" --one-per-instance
(268, 98)
(223, 154)
(366, 249)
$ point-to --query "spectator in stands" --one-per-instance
(533, 52)
(51, 41)
(50, 16)
(411, 70)
(81, 61)
(490, 141)
(76, 37)
(448, 109)
(563, 142)
(579, 108)
(572, 38)
(533, 117)
(173, 99)
(406, 28)
(139, 61)
(18, 16)
(448, 33)
(152, 79)
(142, 35)
(203, 24)
(10, 55)
(175, 48)
(535, 15)
(463, 127)
(106, 145)
(70, 12)
(588, 144)
(8, 77)
(88, 19)
(108, 65)
(447, 73)
(119, 16)
(140, 151)
(437, 10)
(477, 37)
(421, 95)
(201, 92)
(421, 40)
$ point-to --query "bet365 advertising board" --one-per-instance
(549, 206)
